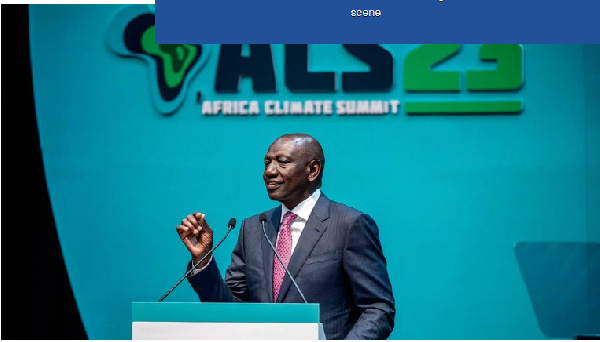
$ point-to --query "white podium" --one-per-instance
(225, 321)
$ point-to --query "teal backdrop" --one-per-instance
(452, 194)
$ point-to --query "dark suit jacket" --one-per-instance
(338, 262)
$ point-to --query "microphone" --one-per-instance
(230, 226)
(263, 217)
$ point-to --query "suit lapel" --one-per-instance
(271, 227)
(314, 229)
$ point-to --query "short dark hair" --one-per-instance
(312, 147)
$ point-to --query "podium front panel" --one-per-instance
(232, 321)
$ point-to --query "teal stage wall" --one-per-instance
(453, 193)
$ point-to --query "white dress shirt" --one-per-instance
(303, 210)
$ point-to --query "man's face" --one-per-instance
(286, 172)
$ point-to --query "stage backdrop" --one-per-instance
(459, 152)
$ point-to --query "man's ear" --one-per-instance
(314, 169)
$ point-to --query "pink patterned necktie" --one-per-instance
(284, 249)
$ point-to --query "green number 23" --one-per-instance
(507, 76)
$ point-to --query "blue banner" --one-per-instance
(423, 21)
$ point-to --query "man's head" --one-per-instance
(293, 168)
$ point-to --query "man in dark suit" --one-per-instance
(331, 250)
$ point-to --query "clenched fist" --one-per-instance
(197, 236)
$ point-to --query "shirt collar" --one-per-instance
(304, 208)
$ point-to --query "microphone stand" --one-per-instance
(262, 221)
(198, 263)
